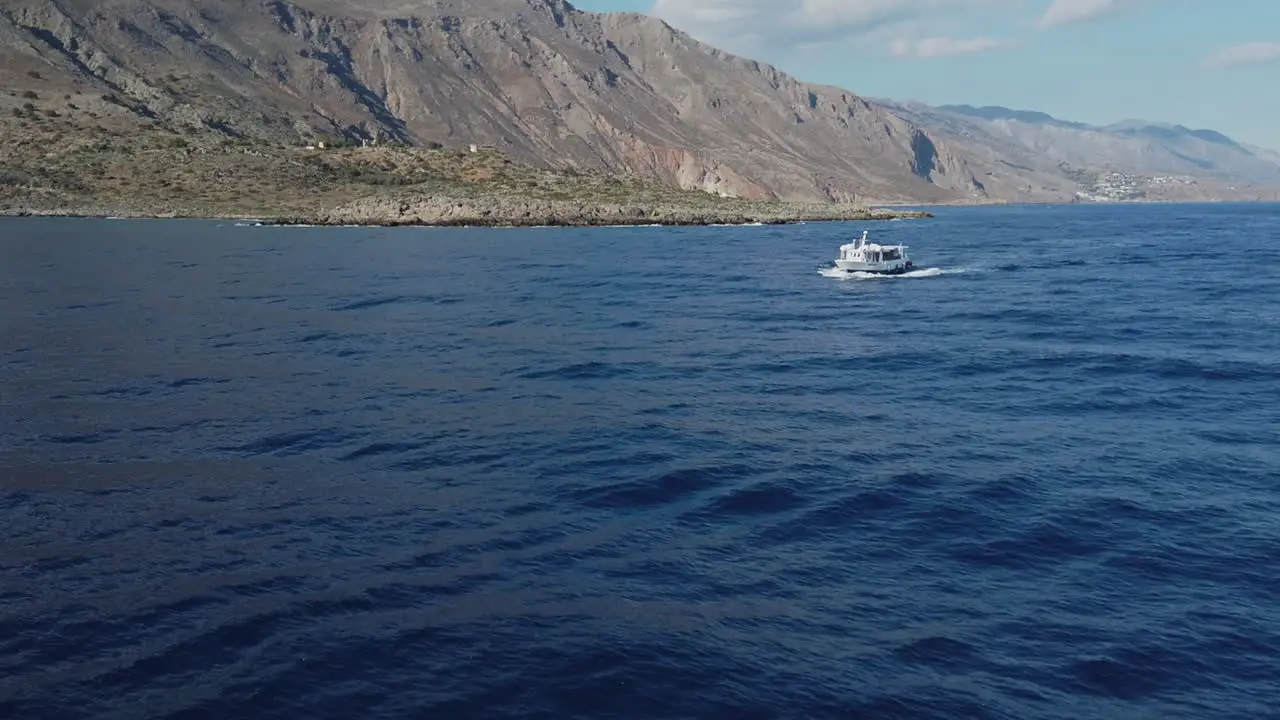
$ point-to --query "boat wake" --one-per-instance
(833, 272)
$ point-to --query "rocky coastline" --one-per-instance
(55, 167)
(494, 212)
(522, 212)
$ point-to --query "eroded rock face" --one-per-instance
(536, 79)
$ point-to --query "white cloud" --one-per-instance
(1246, 54)
(750, 25)
(1067, 12)
(935, 47)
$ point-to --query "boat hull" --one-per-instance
(875, 269)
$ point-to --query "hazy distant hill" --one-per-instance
(1133, 146)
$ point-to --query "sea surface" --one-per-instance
(251, 472)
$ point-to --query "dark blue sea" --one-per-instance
(252, 472)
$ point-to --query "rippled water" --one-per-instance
(643, 472)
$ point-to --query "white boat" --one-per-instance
(866, 257)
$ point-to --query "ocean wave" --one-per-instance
(585, 473)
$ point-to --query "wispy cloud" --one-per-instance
(1070, 12)
(1246, 54)
(749, 25)
(935, 47)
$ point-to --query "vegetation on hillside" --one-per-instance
(56, 163)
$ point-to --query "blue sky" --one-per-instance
(1202, 64)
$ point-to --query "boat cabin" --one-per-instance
(873, 257)
(871, 252)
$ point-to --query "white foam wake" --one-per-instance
(833, 272)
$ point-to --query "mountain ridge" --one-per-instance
(1155, 157)
(1000, 112)
(554, 86)
(538, 79)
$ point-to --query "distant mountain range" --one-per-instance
(1135, 146)
(554, 86)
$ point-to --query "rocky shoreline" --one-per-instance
(517, 212)
(493, 212)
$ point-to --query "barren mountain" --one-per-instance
(537, 79)
(1037, 151)
(555, 87)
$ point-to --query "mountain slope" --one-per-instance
(537, 79)
(997, 136)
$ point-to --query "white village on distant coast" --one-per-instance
(1124, 187)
